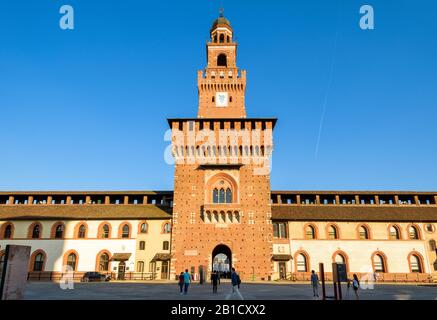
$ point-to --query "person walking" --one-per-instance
(181, 283)
(315, 283)
(187, 280)
(214, 281)
(235, 281)
(356, 286)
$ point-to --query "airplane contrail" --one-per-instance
(328, 88)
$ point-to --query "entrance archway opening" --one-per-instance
(222, 260)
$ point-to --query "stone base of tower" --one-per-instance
(252, 260)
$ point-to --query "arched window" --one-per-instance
(222, 60)
(332, 232)
(7, 234)
(142, 245)
(215, 196)
(413, 233)
(222, 187)
(59, 231)
(36, 231)
(143, 228)
(379, 263)
(416, 265)
(125, 231)
(339, 258)
(228, 196)
(222, 38)
(363, 232)
(301, 263)
(167, 228)
(310, 232)
(215, 38)
(228, 39)
(38, 262)
(104, 262)
(71, 261)
(105, 231)
(394, 233)
(165, 245)
(82, 232)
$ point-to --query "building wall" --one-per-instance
(88, 248)
(358, 252)
(153, 239)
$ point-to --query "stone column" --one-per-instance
(376, 199)
(357, 199)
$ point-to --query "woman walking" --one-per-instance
(356, 286)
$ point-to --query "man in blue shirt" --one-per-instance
(235, 280)
(187, 280)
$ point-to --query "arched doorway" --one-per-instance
(222, 260)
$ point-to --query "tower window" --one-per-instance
(222, 38)
(222, 60)
(142, 245)
(222, 195)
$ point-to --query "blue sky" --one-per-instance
(86, 109)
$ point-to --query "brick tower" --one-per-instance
(222, 173)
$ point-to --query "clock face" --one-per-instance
(221, 99)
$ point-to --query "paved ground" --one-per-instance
(250, 291)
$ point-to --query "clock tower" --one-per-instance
(221, 85)
(221, 209)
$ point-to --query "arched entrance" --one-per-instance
(222, 260)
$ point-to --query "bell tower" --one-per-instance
(221, 204)
(221, 85)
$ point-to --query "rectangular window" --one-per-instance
(280, 230)
(152, 267)
(276, 230)
(140, 266)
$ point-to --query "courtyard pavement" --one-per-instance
(250, 291)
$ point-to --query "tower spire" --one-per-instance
(222, 84)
